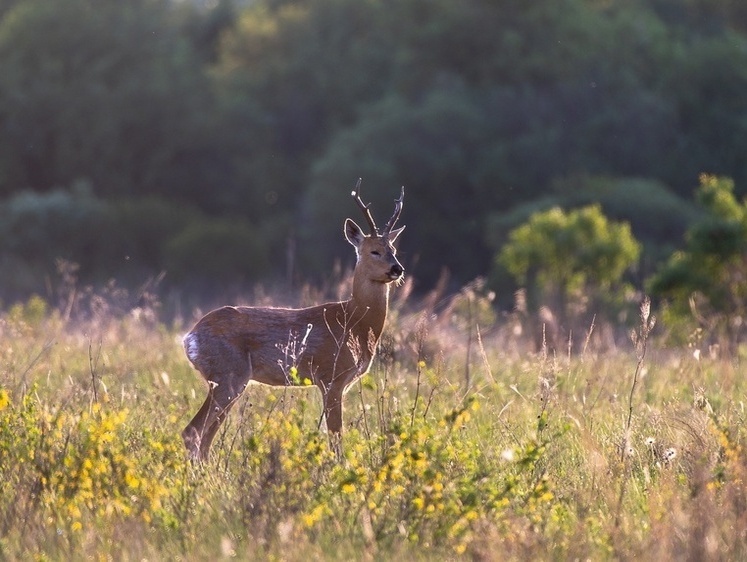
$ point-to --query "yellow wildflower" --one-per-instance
(310, 519)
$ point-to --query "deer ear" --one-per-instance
(394, 234)
(353, 233)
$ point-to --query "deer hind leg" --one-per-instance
(200, 432)
(193, 433)
(209, 435)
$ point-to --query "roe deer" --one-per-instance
(329, 345)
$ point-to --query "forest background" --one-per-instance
(218, 141)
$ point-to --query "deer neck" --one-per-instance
(369, 304)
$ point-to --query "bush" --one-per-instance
(570, 261)
(43, 226)
(217, 250)
(657, 216)
(705, 283)
(127, 240)
(36, 229)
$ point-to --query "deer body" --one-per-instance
(328, 346)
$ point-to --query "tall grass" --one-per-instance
(514, 455)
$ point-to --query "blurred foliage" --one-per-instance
(566, 259)
(131, 238)
(104, 91)
(657, 217)
(41, 227)
(270, 110)
(203, 248)
(706, 282)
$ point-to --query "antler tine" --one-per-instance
(365, 208)
(397, 211)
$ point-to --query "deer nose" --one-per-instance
(396, 271)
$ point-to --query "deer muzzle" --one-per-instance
(396, 272)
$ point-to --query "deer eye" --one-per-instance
(375, 253)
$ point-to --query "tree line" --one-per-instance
(220, 139)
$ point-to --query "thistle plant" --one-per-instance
(639, 337)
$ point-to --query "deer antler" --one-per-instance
(365, 208)
(397, 212)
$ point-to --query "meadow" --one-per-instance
(464, 442)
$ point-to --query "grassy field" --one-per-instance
(484, 451)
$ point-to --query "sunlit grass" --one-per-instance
(530, 461)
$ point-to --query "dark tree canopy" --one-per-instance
(255, 119)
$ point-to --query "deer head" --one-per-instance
(376, 253)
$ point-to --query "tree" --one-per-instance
(658, 217)
(707, 280)
(570, 261)
(270, 110)
(103, 91)
(430, 149)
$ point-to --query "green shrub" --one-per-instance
(566, 258)
(217, 250)
(61, 223)
(705, 284)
